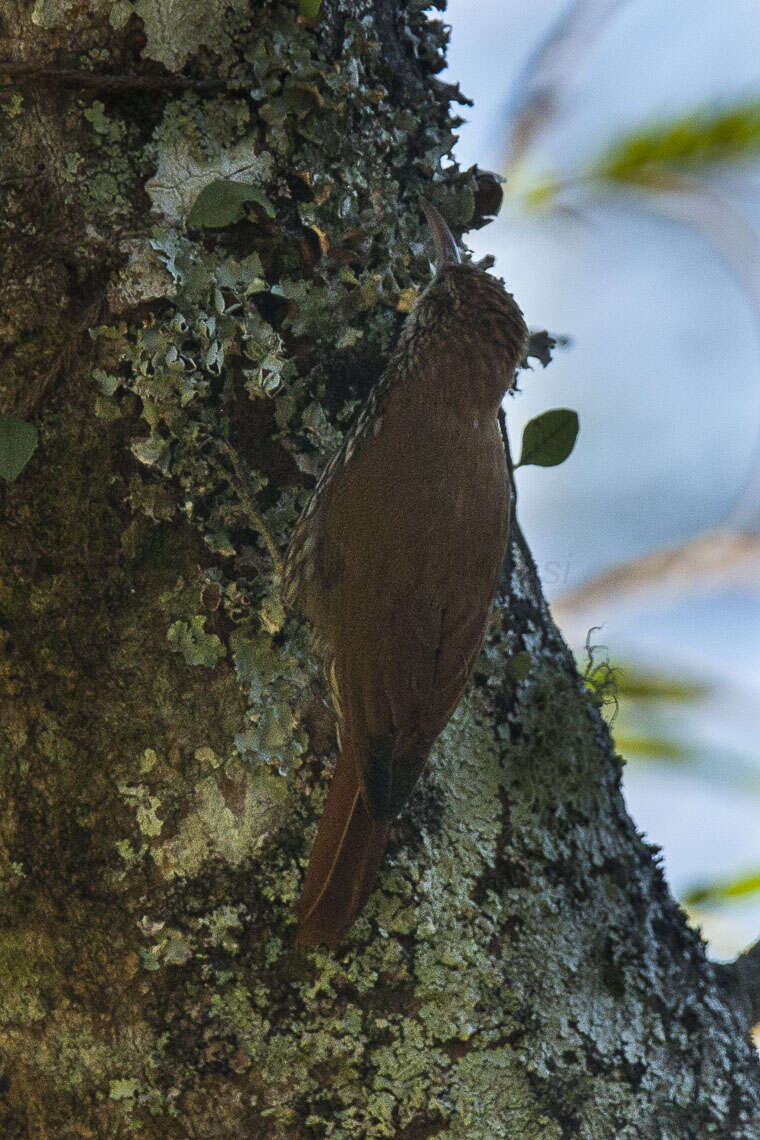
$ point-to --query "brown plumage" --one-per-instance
(395, 562)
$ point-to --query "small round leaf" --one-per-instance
(221, 203)
(549, 438)
(18, 441)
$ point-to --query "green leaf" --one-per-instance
(549, 438)
(309, 9)
(18, 441)
(727, 889)
(222, 202)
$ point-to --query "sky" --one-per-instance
(663, 370)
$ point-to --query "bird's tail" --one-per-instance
(344, 861)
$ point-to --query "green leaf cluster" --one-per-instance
(657, 156)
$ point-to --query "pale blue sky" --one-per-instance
(664, 371)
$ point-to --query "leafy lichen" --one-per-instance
(197, 646)
(175, 31)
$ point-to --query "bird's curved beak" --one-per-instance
(446, 252)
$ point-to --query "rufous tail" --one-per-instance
(344, 861)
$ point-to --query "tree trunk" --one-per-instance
(211, 237)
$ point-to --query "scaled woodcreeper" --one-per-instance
(396, 560)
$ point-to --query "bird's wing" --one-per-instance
(393, 699)
(396, 696)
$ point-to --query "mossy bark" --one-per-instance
(190, 355)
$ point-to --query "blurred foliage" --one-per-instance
(639, 699)
(724, 890)
(654, 156)
(701, 138)
(660, 747)
(637, 684)
(673, 160)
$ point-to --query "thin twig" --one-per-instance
(712, 561)
(507, 455)
(69, 77)
(507, 451)
(512, 520)
(542, 84)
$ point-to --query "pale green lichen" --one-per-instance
(176, 29)
(146, 810)
(105, 177)
(13, 107)
(274, 677)
(228, 823)
(197, 646)
(51, 13)
(143, 278)
(495, 1101)
(26, 965)
(76, 1057)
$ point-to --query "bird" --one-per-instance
(395, 563)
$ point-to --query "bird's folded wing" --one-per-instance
(396, 697)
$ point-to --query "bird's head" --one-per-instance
(467, 317)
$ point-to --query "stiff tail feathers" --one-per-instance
(344, 861)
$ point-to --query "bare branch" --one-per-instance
(710, 561)
(22, 72)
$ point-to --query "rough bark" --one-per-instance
(521, 971)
